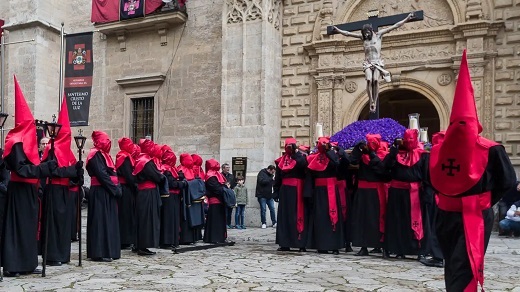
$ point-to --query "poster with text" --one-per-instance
(79, 68)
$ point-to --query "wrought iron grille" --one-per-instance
(142, 118)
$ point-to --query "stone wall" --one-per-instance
(507, 78)
(298, 25)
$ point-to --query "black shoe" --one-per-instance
(362, 252)
(335, 252)
(53, 263)
(438, 263)
(349, 249)
(105, 260)
(145, 252)
(36, 271)
(134, 249)
(283, 249)
(323, 251)
(376, 250)
(386, 254)
(302, 249)
(11, 274)
(400, 256)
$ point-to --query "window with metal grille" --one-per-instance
(142, 118)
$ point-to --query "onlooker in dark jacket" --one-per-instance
(264, 193)
(226, 171)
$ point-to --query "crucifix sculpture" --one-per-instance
(373, 66)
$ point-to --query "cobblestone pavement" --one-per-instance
(253, 264)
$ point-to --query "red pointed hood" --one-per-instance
(459, 162)
(213, 169)
(62, 142)
(24, 128)
(102, 144)
(127, 147)
(187, 166)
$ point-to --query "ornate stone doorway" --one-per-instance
(398, 103)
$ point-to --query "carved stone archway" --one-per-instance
(443, 109)
(336, 62)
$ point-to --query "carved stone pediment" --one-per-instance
(436, 13)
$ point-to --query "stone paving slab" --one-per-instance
(253, 264)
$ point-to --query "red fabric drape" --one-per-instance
(108, 10)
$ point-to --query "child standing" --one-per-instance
(241, 196)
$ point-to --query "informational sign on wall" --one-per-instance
(239, 166)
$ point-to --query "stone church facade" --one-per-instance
(237, 77)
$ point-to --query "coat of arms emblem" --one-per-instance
(79, 57)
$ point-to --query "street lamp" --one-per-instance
(52, 129)
(3, 118)
(80, 143)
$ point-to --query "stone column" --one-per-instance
(251, 87)
(32, 62)
(325, 86)
(337, 104)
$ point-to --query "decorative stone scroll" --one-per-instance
(239, 11)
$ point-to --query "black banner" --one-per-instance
(131, 9)
(78, 77)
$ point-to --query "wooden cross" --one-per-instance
(376, 22)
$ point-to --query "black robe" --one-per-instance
(20, 248)
(343, 175)
(366, 206)
(498, 177)
(215, 230)
(58, 247)
(171, 212)
(126, 204)
(188, 234)
(399, 235)
(286, 230)
(4, 180)
(102, 220)
(74, 196)
(148, 206)
(325, 237)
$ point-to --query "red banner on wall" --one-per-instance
(79, 68)
(1, 24)
(109, 10)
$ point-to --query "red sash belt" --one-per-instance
(146, 185)
(74, 189)
(95, 182)
(330, 183)
(471, 208)
(121, 179)
(174, 192)
(298, 183)
(415, 205)
(61, 181)
(342, 188)
(213, 201)
(381, 193)
(15, 177)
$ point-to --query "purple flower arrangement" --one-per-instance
(389, 130)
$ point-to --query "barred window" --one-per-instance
(142, 118)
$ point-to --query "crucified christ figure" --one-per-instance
(373, 65)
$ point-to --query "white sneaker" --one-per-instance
(264, 226)
(274, 225)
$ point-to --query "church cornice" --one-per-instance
(32, 23)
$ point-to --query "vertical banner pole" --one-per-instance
(62, 51)
(2, 84)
